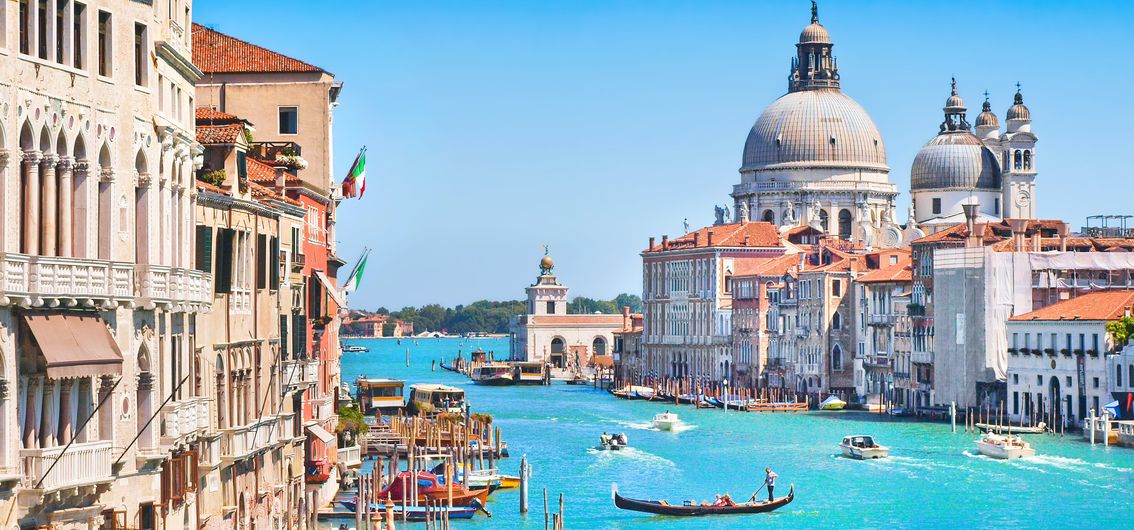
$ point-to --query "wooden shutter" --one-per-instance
(261, 261)
(224, 251)
(274, 263)
(283, 337)
(299, 333)
(166, 476)
(204, 248)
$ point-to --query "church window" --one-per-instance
(769, 216)
(844, 224)
(936, 205)
(823, 220)
(551, 308)
(1027, 159)
(1018, 161)
(996, 206)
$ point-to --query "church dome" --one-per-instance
(814, 34)
(955, 160)
(987, 118)
(814, 129)
(1019, 111)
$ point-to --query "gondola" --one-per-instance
(449, 367)
(665, 508)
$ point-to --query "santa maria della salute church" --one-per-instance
(814, 157)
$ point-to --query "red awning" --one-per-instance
(603, 361)
(75, 344)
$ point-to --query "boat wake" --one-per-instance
(649, 426)
(629, 454)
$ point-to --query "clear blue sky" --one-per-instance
(495, 127)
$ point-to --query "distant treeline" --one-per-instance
(492, 317)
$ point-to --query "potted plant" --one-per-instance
(1025, 351)
(1066, 352)
(1014, 351)
(1079, 352)
(1050, 352)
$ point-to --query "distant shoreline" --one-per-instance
(479, 336)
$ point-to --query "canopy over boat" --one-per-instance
(692, 510)
(832, 403)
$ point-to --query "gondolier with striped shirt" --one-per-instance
(770, 481)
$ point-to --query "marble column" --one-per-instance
(66, 206)
(31, 203)
(47, 217)
(65, 428)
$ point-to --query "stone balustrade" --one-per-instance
(186, 417)
(350, 456)
(171, 285)
(84, 464)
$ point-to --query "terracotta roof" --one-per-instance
(215, 52)
(777, 266)
(262, 172)
(588, 319)
(1099, 305)
(902, 272)
(211, 116)
(993, 232)
(219, 134)
(753, 234)
(205, 186)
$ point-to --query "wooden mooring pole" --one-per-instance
(525, 473)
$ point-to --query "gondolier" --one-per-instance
(770, 481)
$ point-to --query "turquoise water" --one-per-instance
(933, 480)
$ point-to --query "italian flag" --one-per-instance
(355, 277)
(354, 185)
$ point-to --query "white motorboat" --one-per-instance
(863, 447)
(1038, 428)
(1004, 446)
(612, 442)
(666, 421)
(832, 403)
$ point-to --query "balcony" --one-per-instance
(300, 374)
(269, 150)
(70, 281)
(185, 418)
(881, 320)
(238, 443)
(350, 456)
(921, 357)
(298, 261)
(317, 471)
(84, 464)
(167, 286)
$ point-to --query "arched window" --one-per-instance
(769, 216)
(836, 358)
(837, 321)
(557, 345)
(598, 346)
(844, 224)
(824, 222)
(1027, 159)
(1019, 161)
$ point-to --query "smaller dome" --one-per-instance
(1019, 111)
(954, 103)
(815, 33)
(546, 263)
(987, 118)
(955, 160)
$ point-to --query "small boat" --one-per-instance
(863, 447)
(379, 395)
(612, 442)
(1004, 447)
(1038, 428)
(529, 373)
(431, 488)
(415, 513)
(832, 403)
(355, 348)
(690, 509)
(493, 374)
(666, 421)
(634, 392)
(688, 399)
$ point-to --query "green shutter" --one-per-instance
(223, 277)
(274, 263)
(261, 261)
(204, 248)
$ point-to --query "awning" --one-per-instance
(75, 344)
(321, 433)
(603, 361)
(336, 295)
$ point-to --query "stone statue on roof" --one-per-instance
(742, 211)
(719, 212)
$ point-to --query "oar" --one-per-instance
(753, 497)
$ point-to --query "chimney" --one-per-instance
(1063, 229)
(1018, 226)
(970, 216)
(651, 243)
(802, 259)
(710, 238)
(696, 239)
(746, 240)
(665, 242)
(625, 317)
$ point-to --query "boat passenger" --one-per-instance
(726, 500)
(770, 481)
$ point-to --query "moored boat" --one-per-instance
(666, 421)
(832, 403)
(688, 509)
(529, 373)
(416, 513)
(1004, 447)
(863, 447)
(493, 374)
(430, 488)
(436, 398)
(1038, 428)
(379, 395)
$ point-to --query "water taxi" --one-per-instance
(1004, 447)
(666, 421)
(354, 348)
(832, 403)
(612, 442)
(379, 395)
(440, 398)
(493, 374)
(529, 373)
(863, 447)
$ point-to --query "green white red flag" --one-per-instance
(354, 185)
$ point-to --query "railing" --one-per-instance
(921, 357)
(160, 284)
(269, 150)
(210, 456)
(241, 442)
(881, 319)
(350, 456)
(311, 372)
(808, 368)
(83, 464)
(186, 417)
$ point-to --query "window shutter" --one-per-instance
(166, 494)
(284, 345)
(223, 276)
(261, 261)
(204, 248)
(299, 333)
(274, 263)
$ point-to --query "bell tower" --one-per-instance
(1018, 159)
(547, 296)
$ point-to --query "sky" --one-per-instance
(494, 128)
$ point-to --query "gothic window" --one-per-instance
(837, 321)
(836, 358)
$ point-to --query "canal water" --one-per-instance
(934, 478)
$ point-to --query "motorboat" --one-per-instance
(379, 395)
(354, 348)
(666, 421)
(1004, 446)
(832, 403)
(863, 447)
(691, 509)
(634, 392)
(493, 374)
(612, 442)
(430, 398)
(1038, 428)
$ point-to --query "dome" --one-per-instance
(986, 118)
(814, 129)
(1019, 111)
(955, 160)
(546, 263)
(815, 33)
